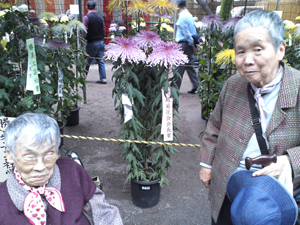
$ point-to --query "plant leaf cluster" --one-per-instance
(211, 75)
(14, 98)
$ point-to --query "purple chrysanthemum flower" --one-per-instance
(35, 20)
(37, 40)
(57, 44)
(147, 39)
(112, 29)
(213, 21)
(230, 24)
(120, 22)
(167, 54)
(163, 15)
(126, 49)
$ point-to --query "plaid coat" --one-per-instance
(229, 130)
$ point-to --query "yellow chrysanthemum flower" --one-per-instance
(162, 6)
(288, 24)
(165, 20)
(64, 19)
(54, 19)
(3, 43)
(43, 22)
(46, 15)
(133, 25)
(142, 24)
(164, 25)
(225, 57)
(6, 5)
(298, 18)
(139, 7)
(170, 29)
(2, 13)
(116, 3)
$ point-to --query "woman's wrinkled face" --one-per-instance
(255, 56)
(38, 173)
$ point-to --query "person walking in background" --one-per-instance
(95, 26)
(185, 30)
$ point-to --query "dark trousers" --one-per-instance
(191, 71)
(224, 216)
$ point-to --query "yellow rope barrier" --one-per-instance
(128, 141)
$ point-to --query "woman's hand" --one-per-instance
(274, 169)
(205, 176)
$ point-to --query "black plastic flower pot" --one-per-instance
(73, 118)
(145, 194)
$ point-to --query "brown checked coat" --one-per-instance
(229, 130)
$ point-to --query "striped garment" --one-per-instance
(229, 130)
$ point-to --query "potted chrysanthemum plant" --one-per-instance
(144, 67)
(218, 63)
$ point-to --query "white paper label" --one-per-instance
(167, 117)
(4, 166)
(128, 113)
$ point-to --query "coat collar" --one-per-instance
(287, 97)
(289, 89)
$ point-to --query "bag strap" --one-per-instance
(256, 123)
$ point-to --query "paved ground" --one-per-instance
(184, 201)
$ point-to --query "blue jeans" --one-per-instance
(96, 49)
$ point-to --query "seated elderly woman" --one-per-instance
(43, 188)
(230, 136)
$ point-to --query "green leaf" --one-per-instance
(4, 95)
(27, 101)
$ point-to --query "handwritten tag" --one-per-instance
(33, 67)
(167, 117)
(5, 167)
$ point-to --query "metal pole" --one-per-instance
(174, 26)
(126, 17)
(28, 6)
(245, 7)
(277, 5)
(80, 10)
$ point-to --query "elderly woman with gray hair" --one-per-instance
(230, 137)
(43, 188)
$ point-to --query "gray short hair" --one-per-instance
(34, 129)
(267, 19)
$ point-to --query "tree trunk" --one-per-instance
(205, 7)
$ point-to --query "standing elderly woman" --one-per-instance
(229, 136)
(43, 189)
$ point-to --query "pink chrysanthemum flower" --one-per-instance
(147, 39)
(167, 54)
(230, 24)
(213, 22)
(126, 49)
(53, 44)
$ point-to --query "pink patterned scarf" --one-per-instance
(258, 92)
(33, 206)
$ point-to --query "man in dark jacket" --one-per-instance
(95, 39)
